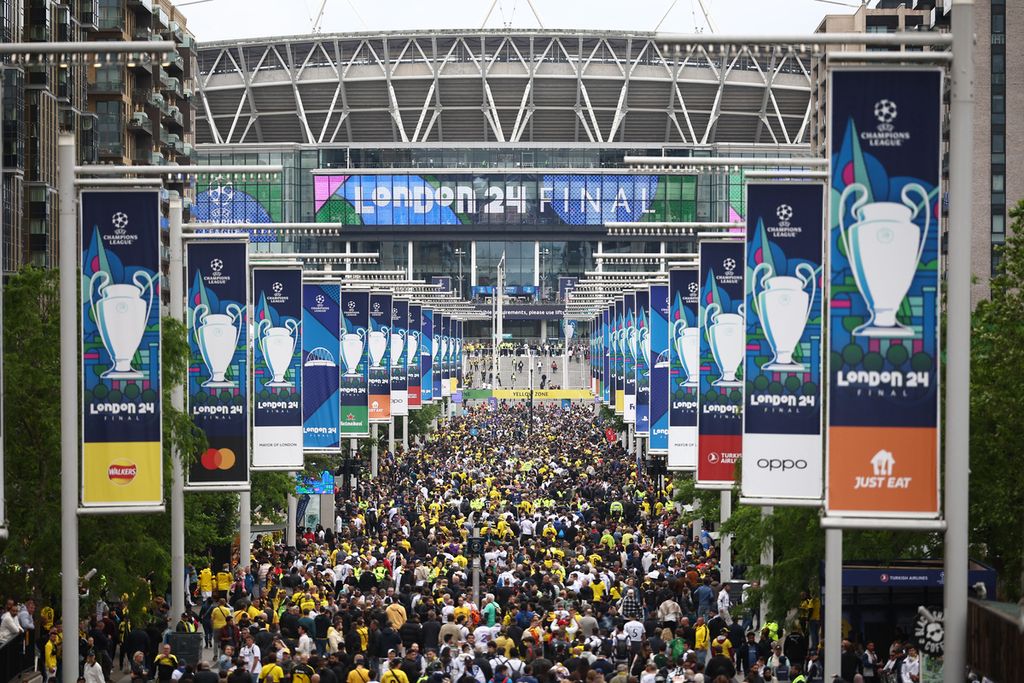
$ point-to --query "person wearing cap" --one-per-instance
(394, 673)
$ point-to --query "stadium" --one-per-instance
(445, 150)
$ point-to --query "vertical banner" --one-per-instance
(355, 390)
(618, 358)
(445, 353)
(414, 342)
(607, 364)
(629, 353)
(782, 373)
(437, 364)
(722, 350)
(643, 362)
(277, 369)
(217, 322)
(684, 369)
(659, 362)
(457, 360)
(321, 350)
(378, 347)
(122, 449)
(427, 356)
(884, 303)
(399, 357)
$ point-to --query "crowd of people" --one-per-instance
(503, 549)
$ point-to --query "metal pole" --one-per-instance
(244, 529)
(405, 433)
(293, 511)
(768, 560)
(391, 435)
(69, 479)
(958, 342)
(3, 501)
(374, 440)
(834, 602)
(176, 292)
(724, 540)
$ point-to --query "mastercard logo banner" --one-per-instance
(217, 459)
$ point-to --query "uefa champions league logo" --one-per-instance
(120, 236)
(319, 299)
(784, 213)
(278, 288)
(693, 289)
(216, 265)
(729, 264)
(351, 305)
(886, 111)
(120, 222)
(376, 307)
(885, 133)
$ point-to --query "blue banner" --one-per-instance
(885, 148)
(379, 349)
(720, 401)
(607, 374)
(218, 374)
(355, 391)
(782, 406)
(321, 351)
(629, 354)
(684, 369)
(415, 344)
(444, 354)
(643, 362)
(659, 362)
(618, 357)
(438, 361)
(427, 356)
(277, 369)
(122, 449)
(457, 361)
(399, 357)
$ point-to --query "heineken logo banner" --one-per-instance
(643, 362)
(415, 344)
(122, 448)
(427, 356)
(659, 362)
(217, 321)
(379, 348)
(277, 369)
(884, 299)
(720, 398)
(399, 357)
(355, 335)
(684, 369)
(782, 439)
(321, 351)
(629, 357)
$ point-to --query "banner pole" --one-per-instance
(176, 287)
(391, 435)
(69, 417)
(833, 601)
(768, 560)
(293, 511)
(374, 443)
(958, 342)
(244, 528)
(724, 541)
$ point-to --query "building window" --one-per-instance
(998, 224)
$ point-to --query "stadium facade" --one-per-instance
(445, 150)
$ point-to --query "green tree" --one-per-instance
(997, 413)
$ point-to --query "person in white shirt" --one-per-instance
(910, 671)
(724, 603)
(92, 671)
(10, 628)
(250, 654)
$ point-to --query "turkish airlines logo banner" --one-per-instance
(722, 341)
(355, 344)
(884, 299)
(643, 362)
(322, 352)
(217, 321)
(659, 361)
(122, 448)
(379, 348)
(414, 342)
(782, 439)
(684, 369)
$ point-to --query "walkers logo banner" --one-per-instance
(217, 321)
(782, 407)
(443, 355)
(629, 354)
(607, 364)
(618, 340)
(399, 357)
(321, 351)
(684, 369)
(884, 300)
(427, 356)
(355, 392)
(720, 400)
(277, 369)
(659, 361)
(643, 362)
(122, 450)
(379, 348)
(414, 343)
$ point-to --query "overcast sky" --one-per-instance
(227, 19)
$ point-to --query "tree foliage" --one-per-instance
(997, 416)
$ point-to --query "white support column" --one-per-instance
(409, 249)
(391, 435)
(374, 446)
(68, 227)
(834, 602)
(661, 262)
(405, 433)
(327, 510)
(291, 522)
(768, 560)
(724, 540)
(473, 279)
(244, 528)
(348, 250)
(536, 264)
(176, 291)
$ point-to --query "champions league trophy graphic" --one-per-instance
(570, 330)
(883, 247)
(121, 314)
(412, 340)
(444, 350)
(217, 337)
(352, 351)
(784, 306)
(687, 341)
(277, 345)
(632, 341)
(377, 345)
(726, 337)
(397, 346)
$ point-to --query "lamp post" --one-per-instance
(459, 253)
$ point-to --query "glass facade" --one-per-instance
(997, 122)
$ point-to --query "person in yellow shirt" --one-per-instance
(598, 587)
(271, 672)
(51, 651)
(223, 582)
(219, 615)
(394, 674)
(206, 582)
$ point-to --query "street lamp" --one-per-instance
(459, 253)
(545, 253)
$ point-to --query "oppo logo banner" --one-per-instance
(772, 464)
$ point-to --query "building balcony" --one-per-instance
(140, 123)
(88, 14)
(142, 5)
(175, 64)
(171, 85)
(110, 150)
(117, 87)
(142, 33)
(173, 116)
